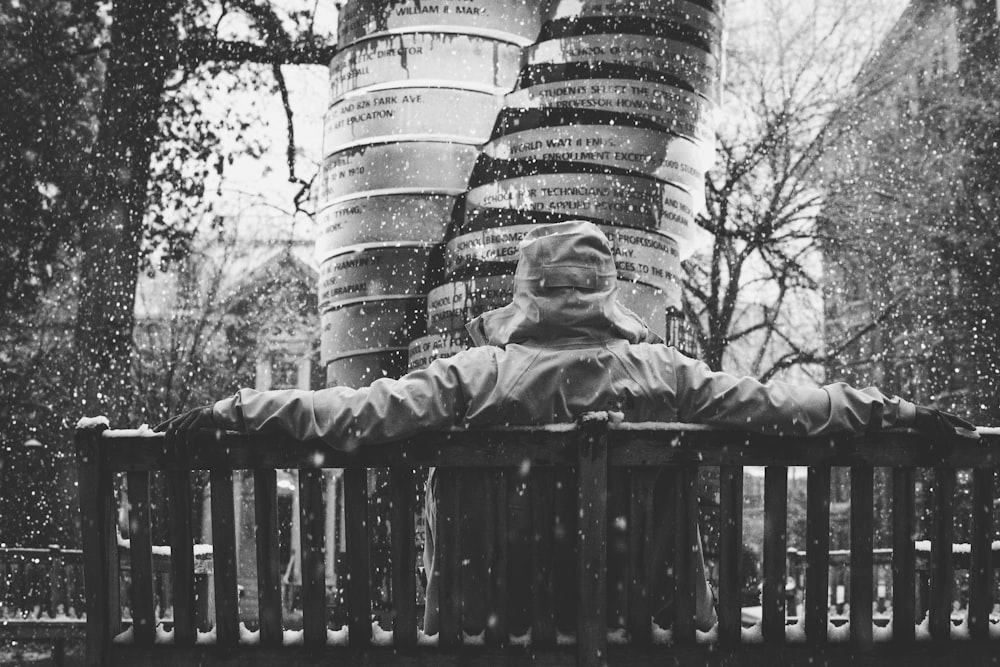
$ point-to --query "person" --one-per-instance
(563, 347)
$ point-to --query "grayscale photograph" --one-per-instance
(428, 333)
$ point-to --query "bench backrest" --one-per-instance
(589, 450)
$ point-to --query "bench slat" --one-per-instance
(862, 543)
(359, 606)
(817, 553)
(100, 549)
(404, 589)
(265, 491)
(941, 559)
(141, 556)
(685, 553)
(448, 544)
(470, 568)
(224, 558)
(619, 551)
(496, 554)
(311, 536)
(181, 555)
(775, 538)
(592, 499)
(543, 632)
(903, 556)
(638, 490)
(730, 554)
(981, 567)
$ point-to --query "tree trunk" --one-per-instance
(144, 42)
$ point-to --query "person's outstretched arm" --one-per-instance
(779, 408)
(435, 397)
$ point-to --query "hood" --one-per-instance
(565, 289)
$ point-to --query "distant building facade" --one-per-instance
(912, 228)
(909, 305)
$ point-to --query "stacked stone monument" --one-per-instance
(610, 121)
(414, 93)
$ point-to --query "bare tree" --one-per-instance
(149, 43)
(206, 320)
(106, 157)
(755, 294)
(915, 198)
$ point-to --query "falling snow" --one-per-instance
(813, 199)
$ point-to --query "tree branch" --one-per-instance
(797, 356)
(48, 59)
(290, 145)
(198, 51)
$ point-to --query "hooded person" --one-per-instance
(564, 346)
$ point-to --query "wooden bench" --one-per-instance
(590, 451)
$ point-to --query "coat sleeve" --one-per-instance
(387, 409)
(778, 408)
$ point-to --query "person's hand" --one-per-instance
(184, 423)
(178, 429)
(943, 424)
